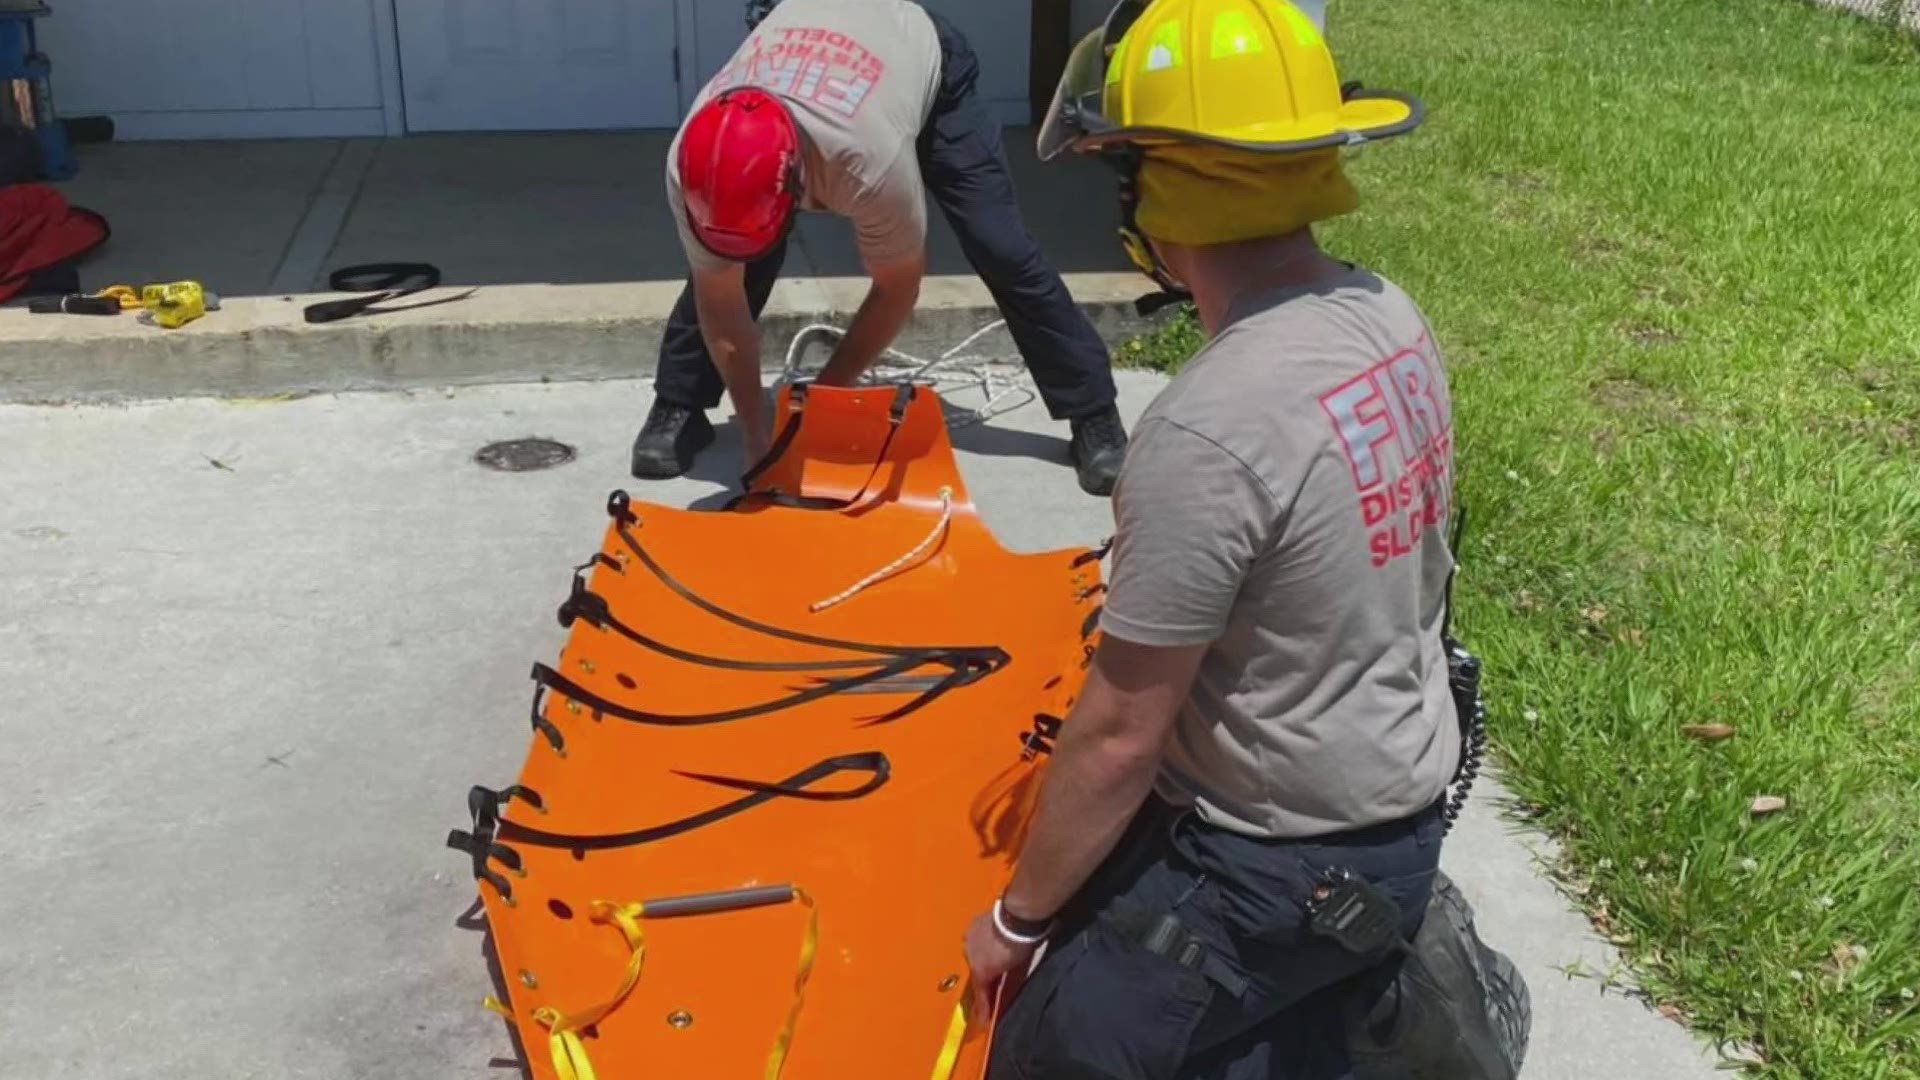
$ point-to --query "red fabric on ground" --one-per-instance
(38, 229)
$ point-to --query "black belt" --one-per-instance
(382, 282)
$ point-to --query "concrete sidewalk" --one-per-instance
(252, 656)
(567, 238)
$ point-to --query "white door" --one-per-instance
(523, 65)
(218, 67)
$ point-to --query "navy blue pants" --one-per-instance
(965, 169)
(1102, 1007)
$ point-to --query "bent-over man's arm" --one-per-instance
(889, 303)
(733, 341)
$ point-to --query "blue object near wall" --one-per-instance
(26, 90)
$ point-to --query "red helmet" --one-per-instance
(740, 173)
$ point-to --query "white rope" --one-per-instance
(997, 378)
(897, 565)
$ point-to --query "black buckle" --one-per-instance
(1040, 740)
(619, 508)
(484, 804)
(583, 603)
(1094, 555)
(1170, 938)
(543, 726)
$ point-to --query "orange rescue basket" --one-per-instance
(789, 749)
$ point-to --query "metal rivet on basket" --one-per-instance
(680, 1018)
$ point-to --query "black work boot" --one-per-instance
(1099, 448)
(672, 436)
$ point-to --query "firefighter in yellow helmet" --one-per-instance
(1243, 814)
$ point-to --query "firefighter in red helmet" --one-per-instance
(863, 108)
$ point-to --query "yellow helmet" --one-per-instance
(1243, 74)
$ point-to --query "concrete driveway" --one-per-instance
(251, 658)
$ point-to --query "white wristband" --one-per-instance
(1000, 927)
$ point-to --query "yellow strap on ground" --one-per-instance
(809, 946)
(956, 1034)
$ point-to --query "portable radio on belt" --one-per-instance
(1351, 912)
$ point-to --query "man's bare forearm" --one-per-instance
(735, 348)
(1095, 784)
(1102, 769)
(733, 341)
(882, 314)
(736, 353)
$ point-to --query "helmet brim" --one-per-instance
(743, 246)
(1367, 116)
(1076, 124)
(1076, 119)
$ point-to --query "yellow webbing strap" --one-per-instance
(127, 296)
(956, 1034)
(570, 1060)
(809, 945)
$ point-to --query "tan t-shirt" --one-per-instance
(860, 77)
(1284, 500)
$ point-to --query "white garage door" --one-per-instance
(219, 68)
(521, 65)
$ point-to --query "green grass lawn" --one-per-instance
(1672, 249)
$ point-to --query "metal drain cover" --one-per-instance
(524, 455)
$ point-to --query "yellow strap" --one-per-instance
(570, 1060)
(809, 946)
(956, 1034)
(128, 297)
(570, 1057)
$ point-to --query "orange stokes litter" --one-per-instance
(789, 749)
